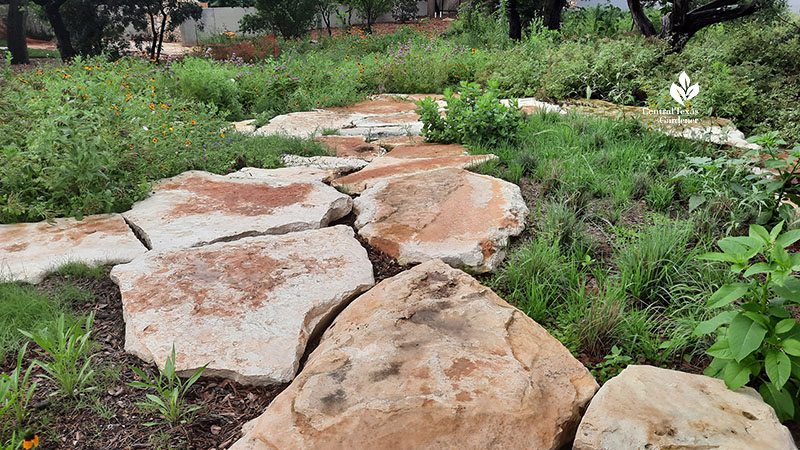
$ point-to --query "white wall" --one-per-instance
(217, 20)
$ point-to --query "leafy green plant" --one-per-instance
(16, 390)
(69, 347)
(779, 182)
(611, 365)
(475, 117)
(169, 399)
(758, 339)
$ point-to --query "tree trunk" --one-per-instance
(164, 18)
(17, 44)
(63, 40)
(514, 21)
(640, 19)
(681, 24)
(552, 14)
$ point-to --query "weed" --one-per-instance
(16, 390)
(168, 401)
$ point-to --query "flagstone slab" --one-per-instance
(460, 217)
(307, 123)
(199, 208)
(343, 165)
(429, 359)
(387, 167)
(646, 407)
(28, 251)
(351, 147)
(246, 308)
(298, 173)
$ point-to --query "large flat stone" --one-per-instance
(458, 216)
(344, 165)
(387, 167)
(198, 208)
(29, 250)
(246, 308)
(297, 173)
(429, 359)
(307, 123)
(647, 407)
(351, 147)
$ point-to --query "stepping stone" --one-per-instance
(429, 359)
(396, 141)
(307, 124)
(28, 251)
(298, 173)
(246, 308)
(406, 160)
(647, 407)
(351, 147)
(245, 126)
(198, 208)
(382, 105)
(343, 165)
(458, 216)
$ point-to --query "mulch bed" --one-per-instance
(226, 405)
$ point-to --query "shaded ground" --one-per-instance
(110, 419)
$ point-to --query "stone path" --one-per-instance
(242, 272)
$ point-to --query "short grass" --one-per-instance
(610, 257)
(36, 52)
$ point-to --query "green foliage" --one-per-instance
(779, 182)
(612, 365)
(169, 399)
(370, 10)
(474, 117)
(758, 339)
(16, 391)
(23, 307)
(69, 348)
(290, 18)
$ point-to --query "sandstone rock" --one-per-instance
(458, 216)
(397, 141)
(197, 208)
(246, 308)
(29, 250)
(342, 165)
(646, 407)
(379, 130)
(387, 167)
(351, 147)
(245, 126)
(298, 173)
(379, 106)
(531, 105)
(307, 124)
(429, 359)
(426, 150)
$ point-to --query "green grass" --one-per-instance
(24, 308)
(36, 52)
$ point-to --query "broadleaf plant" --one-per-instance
(758, 339)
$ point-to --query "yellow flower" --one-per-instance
(30, 442)
(194, 122)
(155, 140)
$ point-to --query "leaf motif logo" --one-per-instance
(684, 92)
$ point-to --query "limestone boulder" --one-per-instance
(29, 250)
(246, 308)
(198, 208)
(429, 359)
(351, 147)
(647, 407)
(461, 217)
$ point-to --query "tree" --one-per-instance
(52, 10)
(17, 44)
(370, 10)
(326, 8)
(290, 18)
(160, 17)
(521, 13)
(680, 24)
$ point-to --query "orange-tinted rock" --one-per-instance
(350, 146)
(386, 167)
(647, 407)
(197, 208)
(246, 308)
(429, 359)
(29, 250)
(379, 105)
(307, 123)
(461, 217)
(426, 150)
(396, 141)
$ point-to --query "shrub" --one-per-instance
(16, 391)
(758, 339)
(476, 117)
(290, 18)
